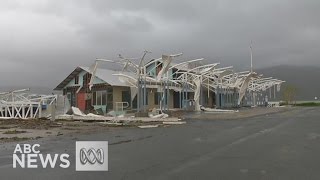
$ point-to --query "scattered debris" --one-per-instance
(94, 115)
(55, 125)
(174, 122)
(76, 111)
(77, 114)
(149, 126)
(19, 104)
(157, 114)
(59, 134)
(112, 123)
(218, 110)
(120, 116)
(273, 104)
(112, 113)
(162, 116)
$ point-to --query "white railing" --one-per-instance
(20, 105)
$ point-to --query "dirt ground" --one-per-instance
(20, 130)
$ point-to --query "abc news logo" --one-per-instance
(90, 156)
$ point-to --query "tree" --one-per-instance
(289, 94)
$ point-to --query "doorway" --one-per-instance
(176, 99)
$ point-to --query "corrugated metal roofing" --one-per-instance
(107, 76)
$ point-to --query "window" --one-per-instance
(175, 74)
(94, 98)
(134, 102)
(205, 99)
(159, 67)
(86, 78)
(71, 96)
(104, 99)
(99, 98)
(76, 80)
(147, 97)
(110, 98)
(126, 97)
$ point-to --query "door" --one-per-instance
(213, 95)
(71, 96)
(126, 97)
(81, 102)
(176, 99)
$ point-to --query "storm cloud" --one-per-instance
(43, 41)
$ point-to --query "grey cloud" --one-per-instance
(45, 40)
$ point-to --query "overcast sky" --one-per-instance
(42, 41)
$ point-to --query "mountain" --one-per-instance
(304, 78)
(35, 90)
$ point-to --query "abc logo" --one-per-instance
(92, 156)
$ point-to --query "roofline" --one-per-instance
(68, 78)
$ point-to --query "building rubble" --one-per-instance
(77, 114)
(21, 104)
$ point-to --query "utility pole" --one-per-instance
(251, 57)
(141, 84)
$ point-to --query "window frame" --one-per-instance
(97, 98)
(76, 79)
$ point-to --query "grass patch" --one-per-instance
(14, 132)
(3, 127)
(12, 139)
(308, 104)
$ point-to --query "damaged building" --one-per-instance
(163, 84)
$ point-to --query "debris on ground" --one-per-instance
(149, 126)
(162, 116)
(59, 134)
(174, 123)
(217, 110)
(37, 128)
(112, 123)
(77, 111)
